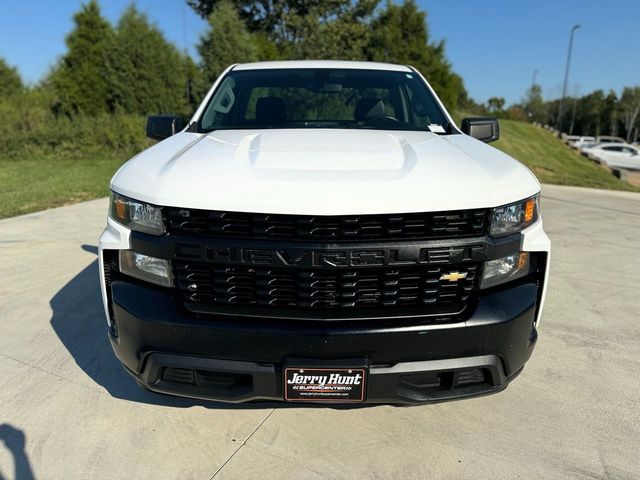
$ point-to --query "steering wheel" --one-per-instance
(380, 119)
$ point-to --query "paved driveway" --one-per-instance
(67, 409)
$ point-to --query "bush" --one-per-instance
(32, 130)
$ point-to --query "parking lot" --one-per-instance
(68, 410)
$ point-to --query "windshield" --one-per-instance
(323, 98)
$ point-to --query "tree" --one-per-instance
(279, 20)
(80, 80)
(267, 50)
(534, 104)
(495, 104)
(196, 86)
(333, 29)
(147, 73)
(226, 42)
(337, 30)
(10, 81)
(630, 108)
(589, 114)
(515, 112)
(468, 106)
(400, 35)
(610, 113)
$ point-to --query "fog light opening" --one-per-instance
(147, 268)
(505, 269)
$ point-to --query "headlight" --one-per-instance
(138, 216)
(515, 217)
(505, 269)
(144, 267)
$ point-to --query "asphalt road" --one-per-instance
(67, 409)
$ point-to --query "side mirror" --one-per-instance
(160, 127)
(481, 128)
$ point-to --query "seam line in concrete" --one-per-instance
(290, 462)
(27, 364)
(105, 393)
(242, 444)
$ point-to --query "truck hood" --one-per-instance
(324, 172)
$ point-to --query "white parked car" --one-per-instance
(582, 141)
(616, 155)
(569, 139)
(609, 139)
(584, 148)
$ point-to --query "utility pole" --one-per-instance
(533, 79)
(566, 78)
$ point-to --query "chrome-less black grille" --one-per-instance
(431, 288)
(414, 226)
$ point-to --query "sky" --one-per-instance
(495, 45)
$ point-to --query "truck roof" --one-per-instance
(322, 64)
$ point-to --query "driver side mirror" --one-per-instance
(160, 127)
(484, 129)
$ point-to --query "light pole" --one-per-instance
(566, 78)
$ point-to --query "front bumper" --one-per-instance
(239, 359)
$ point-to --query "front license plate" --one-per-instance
(324, 384)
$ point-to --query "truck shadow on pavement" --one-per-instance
(78, 320)
(14, 440)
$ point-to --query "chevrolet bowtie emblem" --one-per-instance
(454, 276)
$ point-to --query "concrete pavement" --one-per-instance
(67, 409)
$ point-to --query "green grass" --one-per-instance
(48, 161)
(36, 184)
(46, 178)
(551, 160)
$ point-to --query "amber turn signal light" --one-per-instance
(120, 209)
(529, 210)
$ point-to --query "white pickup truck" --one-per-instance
(322, 231)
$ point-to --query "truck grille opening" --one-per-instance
(430, 385)
(223, 381)
(204, 284)
(416, 226)
(179, 375)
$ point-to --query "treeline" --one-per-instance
(96, 95)
(597, 113)
(245, 30)
(131, 68)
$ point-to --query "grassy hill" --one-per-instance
(33, 184)
(48, 161)
(37, 172)
(551, 160)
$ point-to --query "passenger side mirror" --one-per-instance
(160, 127)
(481, 128)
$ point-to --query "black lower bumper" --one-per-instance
(240, 359)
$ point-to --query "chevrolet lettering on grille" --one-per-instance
(330, 257)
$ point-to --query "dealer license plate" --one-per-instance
(325, 384)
